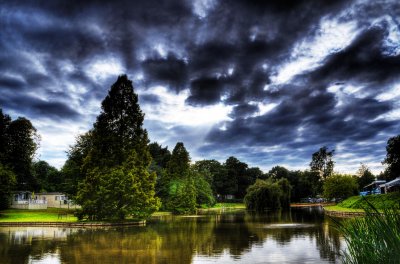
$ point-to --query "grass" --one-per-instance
(161, 213)
(378, 201)
(342, 209)
(48, 215)
(230, 205)
(374, 238)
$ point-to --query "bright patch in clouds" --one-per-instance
(173, 109)
(102, 68)
(332, 37)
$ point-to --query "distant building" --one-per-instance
(23, 200)
(392, 186)
(55, 199)
(372, 188)
(31, 200)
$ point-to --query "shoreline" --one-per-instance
(73, 224)
(311, 204)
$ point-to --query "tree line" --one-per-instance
(114, 171)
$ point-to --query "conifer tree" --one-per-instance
(117, 182)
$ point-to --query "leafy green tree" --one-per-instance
(160, 155)
(72, 169)
(237, 171)
(204, 193)
(117, 141)
(286, 189)
(182, 196)
(179, 163)
(304, 184)
(179, 179)
(278, 172)
(340, 186)
(365, 176)
(255, 173)
(7, 183)
(119, 191)
(22, 145)
(214, 172)
(263, 195)
(392, 159)
(48, 177)
(322, 162)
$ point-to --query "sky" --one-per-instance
(269, 82)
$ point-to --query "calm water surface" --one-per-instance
(302, 235)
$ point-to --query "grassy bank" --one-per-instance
(379, 201)
(359, 203)
(48, 215)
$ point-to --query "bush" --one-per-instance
(264, 195)
(340, 186)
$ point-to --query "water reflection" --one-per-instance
(298, 236)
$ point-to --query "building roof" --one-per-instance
(375, 182)
(50, 193)
(392, 183)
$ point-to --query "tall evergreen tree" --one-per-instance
(179, 182)
(179, 163)
(119, 128)
(116, 165)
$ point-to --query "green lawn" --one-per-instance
(229, 205)
(48, 215)
(358, 203)
(341, 209)
(219, 206)
(379, 201)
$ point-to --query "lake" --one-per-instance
(301, 235)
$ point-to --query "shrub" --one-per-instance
(264, 195)
(340, 186)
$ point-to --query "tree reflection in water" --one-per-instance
(300, 235)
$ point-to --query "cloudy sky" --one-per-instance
(269, 82)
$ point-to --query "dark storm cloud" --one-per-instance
(363, 61)
(56, 60)
(170, 71)
(38, 108)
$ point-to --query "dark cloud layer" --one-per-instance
(58, 58)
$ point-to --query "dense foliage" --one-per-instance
(49, 179)
(392, 159)
(73, 167)
(340, 186)
(365, 176)
(268, 194)
(7, 182)
(18, 144)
